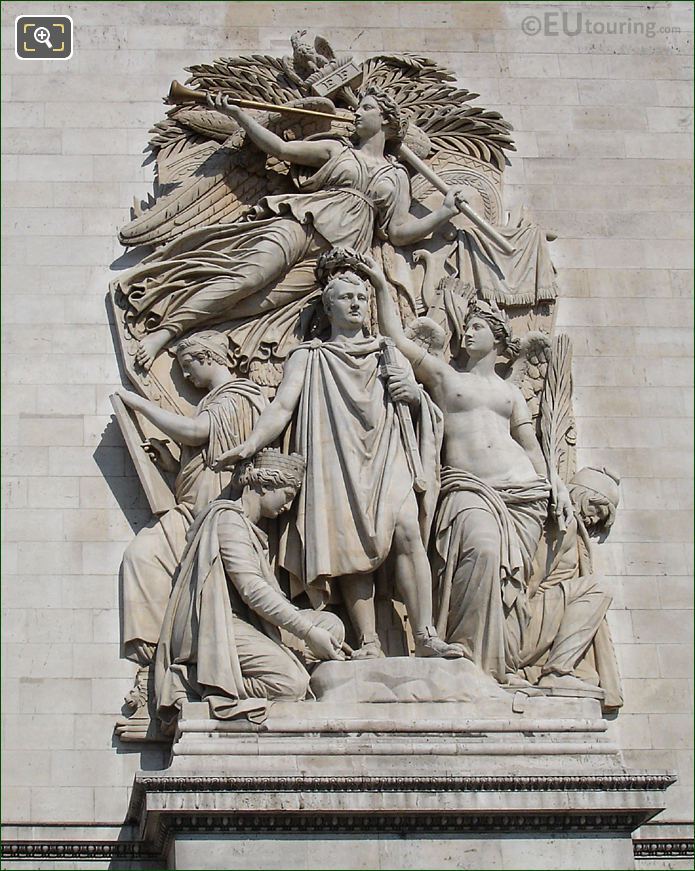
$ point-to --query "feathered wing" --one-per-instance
(530, 369)
(204, 182)
(193, 186)
(424, 91)
(558, 436)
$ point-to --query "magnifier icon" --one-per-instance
(43, 35)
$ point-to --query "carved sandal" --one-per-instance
(370, 648)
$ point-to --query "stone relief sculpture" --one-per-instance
(568, 647)
(220, 638)
(326, 256)
(358, 506)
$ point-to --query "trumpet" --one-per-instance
(180, 94)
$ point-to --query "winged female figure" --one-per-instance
(237, 270)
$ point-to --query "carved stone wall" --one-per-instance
(603, 126)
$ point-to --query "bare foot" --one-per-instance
(149, 346)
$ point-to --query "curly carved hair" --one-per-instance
(272, 469)
(396, 121)
(497, 321)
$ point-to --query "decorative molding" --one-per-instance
(664, 848)
(366, 783)
(78, 850)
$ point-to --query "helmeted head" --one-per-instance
(486, 327)
(377, 110)
(200, 353)
(596, 495)
(275, 476)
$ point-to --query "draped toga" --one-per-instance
(240, 270)
(151, 559)
(357, 476)
(485, 538)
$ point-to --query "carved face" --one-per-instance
(195, 369)
(346, 302)
(478, 338)
(276, 500)
(368, 118)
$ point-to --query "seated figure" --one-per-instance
(495, 485)
(220, 638)
(568, 647)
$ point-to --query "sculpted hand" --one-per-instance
(401, 386)
(231, 458)
(373, 272)
(323, 645)
(132, 400)
(563, 508)
(159, 453)
(221, 103)
(453, 199)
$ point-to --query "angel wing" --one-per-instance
(424, 91)
(558, 435)
(530, 368)
(183, 143)
(211, 182)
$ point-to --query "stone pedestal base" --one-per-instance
(510, 781)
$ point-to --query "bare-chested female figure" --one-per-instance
(495, 488)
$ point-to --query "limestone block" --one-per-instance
(662, 626)
(33, 461)
(671, 731)
(62, 696)
(669, 120)
(63, 557)
(638, 660)
(88, 591)
(101, 524)
(14, 492)
(675, 592)
(49, 430)
(16, 801)
(94, 141)
(102, 115)
(108, 692)
(24, 115)
(87, 194)
(39, 222)
(118, 492)
(633, 731)
(81, 460)
(39, 731)
(674, 93)
(60, 625)
(34, 141)
(657, 695)
(101, 557)
(27, 591)
(58, 803)
(97, 659)
(661, 559)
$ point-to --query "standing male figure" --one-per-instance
(357, 506)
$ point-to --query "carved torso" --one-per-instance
(478, 415)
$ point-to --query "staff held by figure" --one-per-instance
(180, 94)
